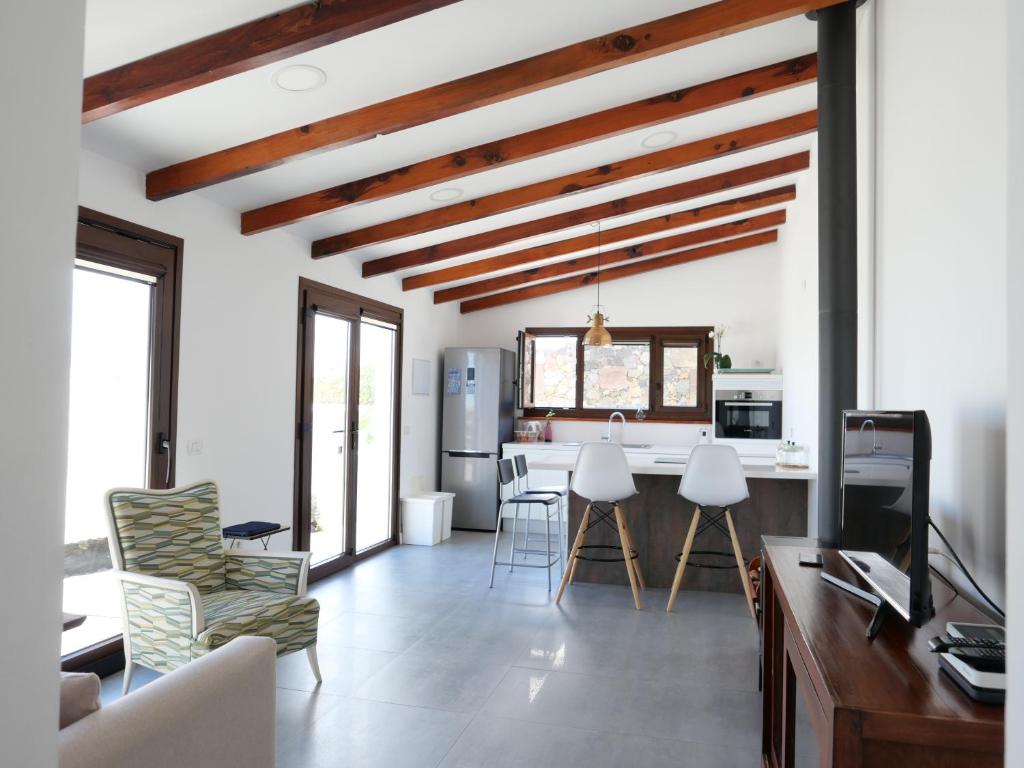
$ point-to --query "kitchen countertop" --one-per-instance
(561, 457)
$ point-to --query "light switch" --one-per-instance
(194, 447)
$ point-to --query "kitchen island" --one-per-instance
(658, 516)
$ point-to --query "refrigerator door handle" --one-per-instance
(469, 454)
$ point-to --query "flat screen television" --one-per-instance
(884, 532)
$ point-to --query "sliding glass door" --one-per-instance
(121, 408)
(346, 426)
(329, 470)
(375, 491)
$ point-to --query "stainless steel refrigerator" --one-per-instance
(478, 415)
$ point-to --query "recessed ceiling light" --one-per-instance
(659, 139)
(299, 78)
(446, 195)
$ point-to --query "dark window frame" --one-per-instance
(659, 337)
(353, 307)
(113, 242)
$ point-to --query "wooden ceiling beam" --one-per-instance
(555, 223)
(599, 54)
(646, 228)
(617, 273)
(769, 220)
(570, 184)
(239, 49)
(641, 114)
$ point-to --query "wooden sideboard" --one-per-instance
(831, 698)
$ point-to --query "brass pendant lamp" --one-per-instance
(598, 335)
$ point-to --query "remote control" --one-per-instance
(944, 644)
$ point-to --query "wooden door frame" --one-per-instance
(108, 240)
(358, 307)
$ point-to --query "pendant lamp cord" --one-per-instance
(598, 266)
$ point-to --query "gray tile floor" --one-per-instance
(424, 666)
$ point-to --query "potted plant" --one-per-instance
(721, 361)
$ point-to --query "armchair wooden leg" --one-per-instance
(572, 555)
(635, 563)
(624, 541)
(744, 576)
(583, 526)
(678, 579)
(314, 663)
(129, 668)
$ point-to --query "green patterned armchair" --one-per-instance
(184, 595)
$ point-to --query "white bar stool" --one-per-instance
(523, 483)
(550, 501)
(713, 478)
(602, 476)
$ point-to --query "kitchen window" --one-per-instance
(658, 370)
(554, 364)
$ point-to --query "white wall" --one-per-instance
(797, 327)
(1015, 411)
(738, 290)
(238, 344)
(39, 124)
(941, 256)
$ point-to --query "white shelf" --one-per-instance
(747, 381)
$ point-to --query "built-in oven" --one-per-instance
(748, 414)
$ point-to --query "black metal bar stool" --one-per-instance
(523, 479)
(551, 502)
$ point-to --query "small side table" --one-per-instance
(263, 537)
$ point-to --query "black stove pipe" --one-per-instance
(837, 251)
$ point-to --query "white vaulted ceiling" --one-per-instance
(435, 47)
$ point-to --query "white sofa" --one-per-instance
(215, 712)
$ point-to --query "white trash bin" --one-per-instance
(422, 520)
(448, 501)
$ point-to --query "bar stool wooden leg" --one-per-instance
(624, 541)
(635, 563)
(678, 579)
(744, 576)
(572, 560)
(572, 555)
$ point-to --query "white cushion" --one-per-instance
(79, 696)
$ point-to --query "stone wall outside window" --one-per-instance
(680, 381)
(618, 376)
